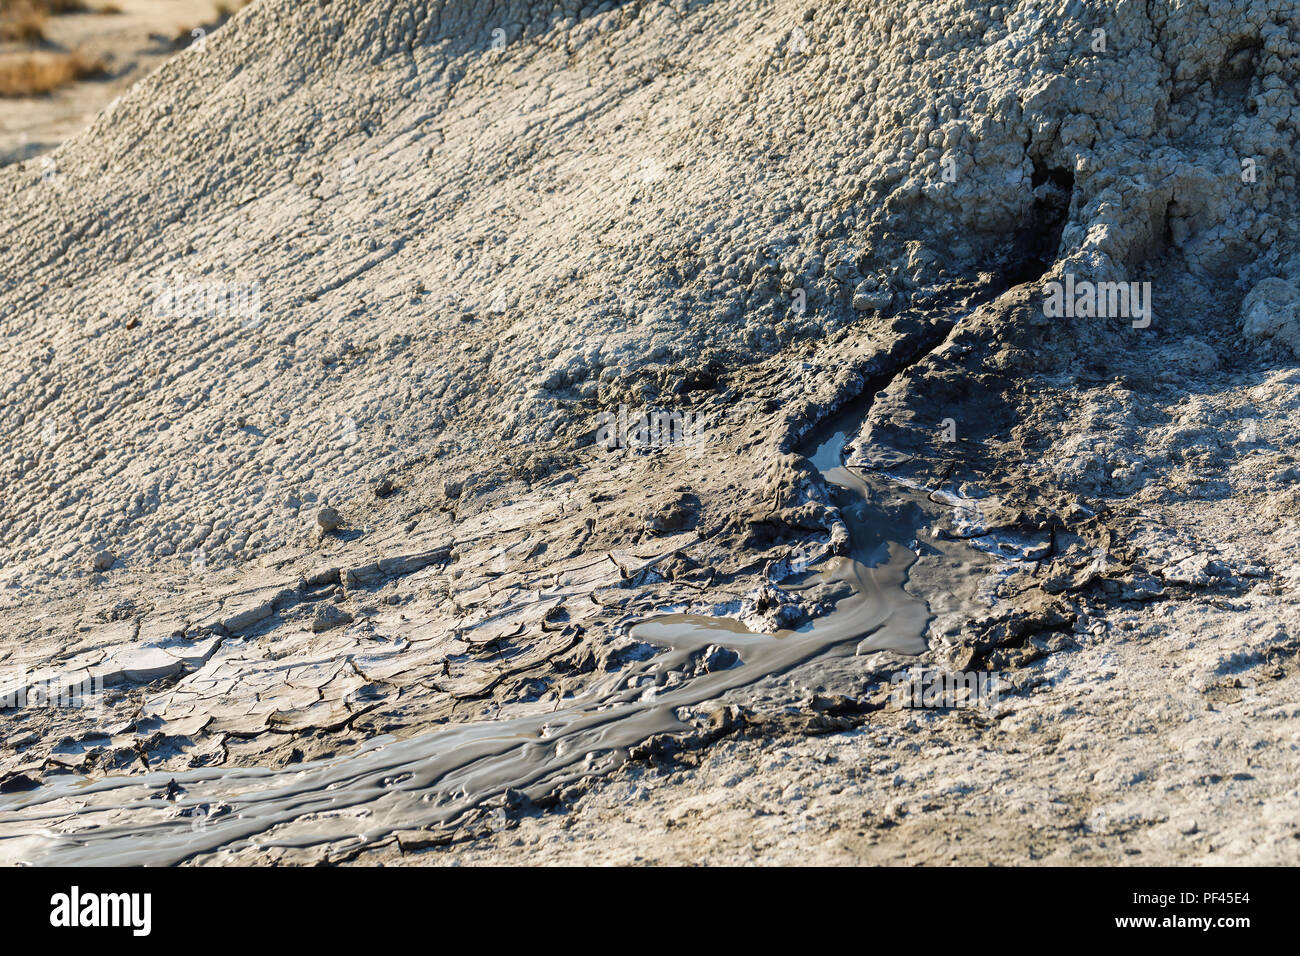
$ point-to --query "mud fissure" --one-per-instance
(1036, 246)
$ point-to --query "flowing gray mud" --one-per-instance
(434, 778)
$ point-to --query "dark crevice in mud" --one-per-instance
(1231, 80)
(945, 313)
(881, 369)
(1059, 177)
(1166, 242)
(1036, 245)
(1238, 70)
(1160, 248)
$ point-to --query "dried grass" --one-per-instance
(39, 73)
(23, 21)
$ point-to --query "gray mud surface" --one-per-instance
(325, 350)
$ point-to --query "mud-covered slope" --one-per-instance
(426, 230)
(398, 260)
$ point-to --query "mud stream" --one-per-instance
(435, 778)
